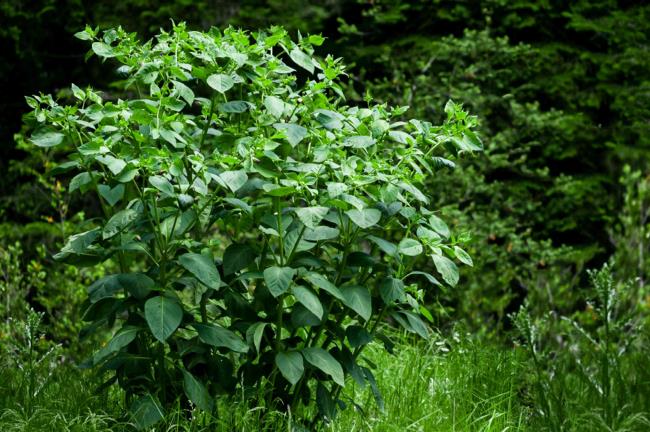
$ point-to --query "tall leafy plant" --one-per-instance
(263, 229)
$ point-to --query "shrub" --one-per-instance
(249, 210)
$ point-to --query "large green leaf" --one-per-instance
(146, 411)
(439, 226)
(463, 256)
(364, 218)
(203, 268)
(301, 59)
(391, 289)
(409, 247)
(118, 222)
(234, 180)
(308, 299)
(290, 365)
(278, 279)
(196, 392)
(237, 257)
(295, 133)
(220, 337)
(122, 338)
(311, 216)
(47, 137)
(358, 299)
(320, 281)
(446, 268)
(324, 361)
(220, 82)
(111, 195)
(163, 316)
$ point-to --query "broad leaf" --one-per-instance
(324, 361)
(47, 137)
(294, 132)
(358, 299)
(463, 256)
(220, 337)
(311, 216)
(391, 290)
(202, 268)
(290, 365)
(302, 59)
(278, 279)
(309, 300)
(237, 257)
(196, 392)
(364, 218)
(163, 316)
(146, 411)
(446, 268)
(409, 247)
(220, 82)
(119, 222)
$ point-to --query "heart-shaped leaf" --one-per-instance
(278, 279)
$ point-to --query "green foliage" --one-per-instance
(254, 203)
(587, 373)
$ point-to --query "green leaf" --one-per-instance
(163, 316)
(220, 337)
(324, 361)
(463, 256)
(47, 137)
(321, 282)
(309, 300)
(233, 107)
(220, 82)
(254, 335)
(103, 50)
(111, 196)
(278, 279)
(118, 222)
(302, 59)
(321, 233)
(184, 91)
(114, 165)
(358, 299)
(274, 106)
(446, 268)
(357, 336)
(364, 218)
(139, 285)
(409, 247)
(391, 290)
(290, 365)
(335, 189)
(162, 184)
(237, 257)
(146, 411)
(79, 181)
(439, 226)
(359, 141)
(122, 338)
(196, 392)
(293, 132)
(234, 180)
(203, 268)
(388, 247)
(311, 216)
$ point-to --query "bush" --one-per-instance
(250, 212)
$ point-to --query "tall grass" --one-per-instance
(433, 386)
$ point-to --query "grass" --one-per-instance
(431, 386)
